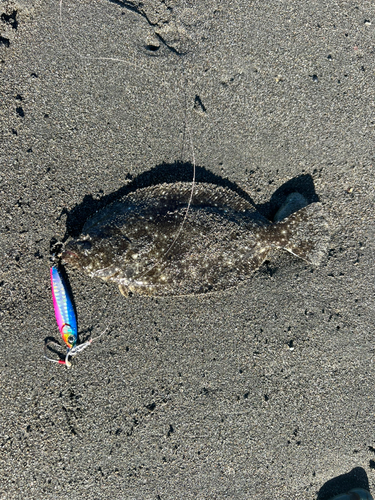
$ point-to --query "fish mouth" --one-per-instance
(69, 252)
(69, 257)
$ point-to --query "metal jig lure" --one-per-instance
(66, 319)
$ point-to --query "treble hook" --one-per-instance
(59, 361)
(70, 352)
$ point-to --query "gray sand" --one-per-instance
(265, 391)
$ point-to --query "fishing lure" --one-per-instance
(65, 317)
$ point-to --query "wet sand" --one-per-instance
(262, 391)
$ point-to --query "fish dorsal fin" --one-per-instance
(170, 196)
(204, 194)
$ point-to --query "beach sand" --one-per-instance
(259, 392)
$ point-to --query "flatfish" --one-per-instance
(152, 242)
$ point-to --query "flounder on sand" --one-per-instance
(153, 242)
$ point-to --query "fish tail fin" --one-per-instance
(304, 233)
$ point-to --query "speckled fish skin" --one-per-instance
(223, 240)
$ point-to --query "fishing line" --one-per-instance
(187, 125)
(63, 305)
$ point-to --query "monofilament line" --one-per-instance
(188, 129)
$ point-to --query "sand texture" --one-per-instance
(262, 391)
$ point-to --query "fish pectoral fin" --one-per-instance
(124, 290)
(137, 289)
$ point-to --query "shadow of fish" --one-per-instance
(150, 244)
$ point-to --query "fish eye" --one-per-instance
(71, 339)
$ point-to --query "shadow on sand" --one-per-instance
(183, 172)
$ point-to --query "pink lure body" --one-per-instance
(64, 310)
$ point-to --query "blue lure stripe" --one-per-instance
(64, 310)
